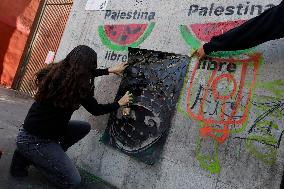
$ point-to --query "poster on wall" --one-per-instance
(155, 79)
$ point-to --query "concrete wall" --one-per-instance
(250, 156)
(16, 18)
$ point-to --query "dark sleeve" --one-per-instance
(267, 26)
(100, 72)
(92, 106)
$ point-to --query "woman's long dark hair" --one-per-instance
(63, 84)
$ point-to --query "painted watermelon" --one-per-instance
(195, 34)
(121, 36)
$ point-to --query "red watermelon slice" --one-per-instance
(194, 34)
(120, 37)
(205, 32)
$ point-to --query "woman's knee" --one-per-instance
(80, 126)
(68, 181)
(73, 182)
(87, 127)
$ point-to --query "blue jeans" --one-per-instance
(49, 156)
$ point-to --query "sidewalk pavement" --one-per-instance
(13, 109)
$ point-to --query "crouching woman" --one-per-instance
(47, 131)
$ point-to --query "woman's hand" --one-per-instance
(118, 69)
(199, 53)
(126, 99)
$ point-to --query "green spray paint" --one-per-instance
(189, 38)
(210, 163)
(268, 154)
(276, 87)
(116, 47)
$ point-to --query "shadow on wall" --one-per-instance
(14, 30)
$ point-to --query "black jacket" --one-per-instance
(267, 26)
(46, 121)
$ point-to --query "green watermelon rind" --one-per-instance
(189, 38)
(192, 41)
(107, 42)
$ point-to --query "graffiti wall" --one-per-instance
(225, 124)
(16, 19)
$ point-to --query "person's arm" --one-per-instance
(117, 69)
(92, 105)
(267, 26)
(101, 72)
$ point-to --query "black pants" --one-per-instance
(49, 156)
(282, 182)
